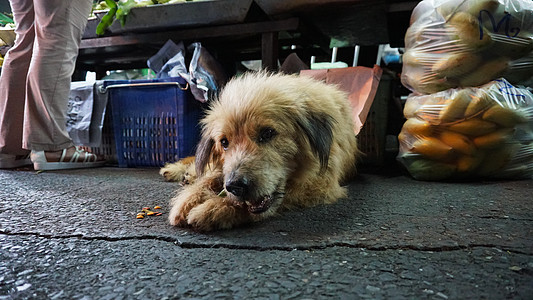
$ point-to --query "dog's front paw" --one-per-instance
(182, 204)
(206, 211)
(182, 171)
(217, 213)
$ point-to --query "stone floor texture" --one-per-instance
(74, 235)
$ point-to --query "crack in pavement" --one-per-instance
(191, 245)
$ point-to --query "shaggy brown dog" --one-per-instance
(269, 142)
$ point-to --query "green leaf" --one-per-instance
(108, 18)
(5, 19)
(123, 10)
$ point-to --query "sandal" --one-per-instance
(79, 159)
(10, 161)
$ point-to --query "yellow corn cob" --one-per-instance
(468, 30)
(473, 127)
(478, 103)
(458, 142)
(485, 72)
(504, 116)
(493, 139)
(432, 148)
(415, 127)
(455, 108)
(468, 163)
(457, 64)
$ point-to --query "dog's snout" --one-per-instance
(238, 186)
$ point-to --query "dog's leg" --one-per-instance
(323, 189)
(217, 213)
(199, 205)
(193, 195)
(182, 171)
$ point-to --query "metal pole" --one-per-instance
(355, 55)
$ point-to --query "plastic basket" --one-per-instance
(154, 121)
(107, 147)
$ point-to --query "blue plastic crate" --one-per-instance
(154, 121)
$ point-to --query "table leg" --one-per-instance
(269, 51)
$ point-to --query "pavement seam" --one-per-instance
(189, 245)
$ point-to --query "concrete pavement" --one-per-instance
(73, 235)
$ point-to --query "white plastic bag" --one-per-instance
(80, 111)
(86, 112)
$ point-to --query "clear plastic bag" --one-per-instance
(465, 43)
(469, 133)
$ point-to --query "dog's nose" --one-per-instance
(237, 186)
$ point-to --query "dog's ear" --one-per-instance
(319, 132)
(204, 152)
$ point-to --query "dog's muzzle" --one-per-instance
(241, 188)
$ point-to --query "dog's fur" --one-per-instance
(270, 142)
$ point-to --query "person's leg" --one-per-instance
(59, 26)
(13, 79)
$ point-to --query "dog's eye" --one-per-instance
(266, 134)
(225, 143)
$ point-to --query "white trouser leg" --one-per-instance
(59, 26)
(13, 79)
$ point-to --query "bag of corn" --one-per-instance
(464, 43)
(469, 133)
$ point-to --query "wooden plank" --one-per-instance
(191, 33)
